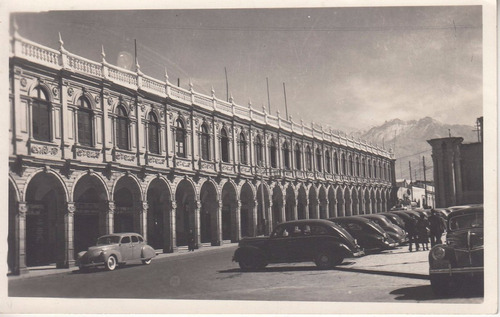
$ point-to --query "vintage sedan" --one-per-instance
(114, 249)
(463, 254)
(304, 240)
(394, 231)
(369, 235)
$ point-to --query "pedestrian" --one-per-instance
(191, 241)
(422, 232)
(410, 227)
(436, 227)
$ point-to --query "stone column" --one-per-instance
(69, 259)
(20, 240)
(143, 220)
(216, 225)
(253, 223)
(334, 208)
(282, 208)
(197, 235)
(295, 211)
(327, 209)
(169, 232)
(306, 207)
(268, 222)
(316, 209)
(109, 218)
(236, 223)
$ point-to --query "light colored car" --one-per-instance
(114, 249)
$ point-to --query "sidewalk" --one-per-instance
(51, 269)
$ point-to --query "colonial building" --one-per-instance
(458, 170)
(96, 149)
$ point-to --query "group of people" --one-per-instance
(421, 229)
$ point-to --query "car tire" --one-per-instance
(146, 262)
(440, 284)
(83, 269)
(248, 263)
(111, 263)
(326, 260)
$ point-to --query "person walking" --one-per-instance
(410, 227)
(436, 227)
(191, 241)
(422, 232)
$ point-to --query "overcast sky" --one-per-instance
(350, 68)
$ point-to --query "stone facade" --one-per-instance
(96, 149)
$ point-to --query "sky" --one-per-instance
(345, 68)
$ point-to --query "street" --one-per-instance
(209, 273)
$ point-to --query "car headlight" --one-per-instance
(438, 253)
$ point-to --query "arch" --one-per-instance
(373, 207)
(302, 203)
(286, 155)
(185, 216)
(247, 211)
(379, 200)
(308, 158)
(348, 202)
(128, 197)
(97, 176)
(44, 88)
(272, 153)
(159, 222)
(298, 157)
(328, 162)
(335, 163)
(323, 203)
(243, 148)
(84, 94)
(205, 141)
(340, 202)
(46, 229)
(291, 203)
(13, 253)
(50, 172)
(224, 148)
(355, 201)
(332, 206)
(230, 218)
(367, 202)
(180, 137)
(319, 165)
(259, 157)
(263, 205)
(209, 198)
(277, 206)
(313, 203)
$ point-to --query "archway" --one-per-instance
(383, 200)
(367, 202)
(12, 253)
(208, 214)
(277, 206)
(128, 199)
(313, 203)
(247, 211)
(379, 201)
(263, 204)
(302, 203)
(185, 218)
(373, 208)
(90, 199)
(159, 218)
(340, 203)
(333, 202)
(348, 201)
(323, 203)
(355, 202)
(229, 222)
(45, 224)
(291, 204)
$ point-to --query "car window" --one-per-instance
(318, 230)
(354, 226)
(140, 239)
(134, 239)
(474, 220)
(126, 240)
(306, 230)
(281, 232)
(108, 240)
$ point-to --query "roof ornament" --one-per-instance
(231, 99)
(213, 92)
(103, 54)
(137, 66)
(16, 28)
(190, 84)
(61, 42)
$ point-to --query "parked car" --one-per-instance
(395, 232)
(369, 235)
(395, 219)
(116, 249)
(463, 253)
(304, 240)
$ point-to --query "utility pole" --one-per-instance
(425, 181)
(411, 181)
(227, 85)
(268, 98)
(286, 106)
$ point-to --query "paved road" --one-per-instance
(395, 276)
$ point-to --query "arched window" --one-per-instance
(375, 169)
(308, 158)
(351, 165)
(258, 151)
(335, 163)
(224, 145)
(298, 157)
(272, 152)
(318, 160)
(363, 167)
(380, 171)
(122, 125)
(153, 134)
(357, 166)
(180, 139)
(328, 162)
(40, 115)
(243, 149)
(286, 155)
(343, 162)
(205, 143)
(84, 118)
(369, 168)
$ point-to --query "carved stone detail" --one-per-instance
(44, 149)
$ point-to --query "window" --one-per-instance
(298, 157)
(205, 143)
(351, 166)
(357, 166)
(318, 159)
(258, 151)
(375, 169)
(126, 240)
(122, 124)
(180, 139)
(369, 168)
(286, 155)
(380, 171)
(84, 117)
(363, 168)
(272, 151)
(134, 239)
(140, 239)
(328, 162)
(318, 230)
(224, 145)
(40, 115)
(335, 162)
(343, 162)
(308, 158)
(243, 149)
(153, 134)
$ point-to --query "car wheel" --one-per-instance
(325, 260)
(247, 263)
(440, 284)
(83, 269)
(111, 263)
(146, 262)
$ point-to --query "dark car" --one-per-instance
(395, 232)
(462, 255)
(408, 220)
(369, 235)
(316, 240)
(395, 219)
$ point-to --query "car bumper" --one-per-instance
(458, 270)
(358, 254)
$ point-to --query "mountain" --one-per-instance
(408, 139)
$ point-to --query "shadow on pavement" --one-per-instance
(386, 273)
(424, 292)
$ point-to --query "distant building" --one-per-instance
(417, 194)
(458, 170)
